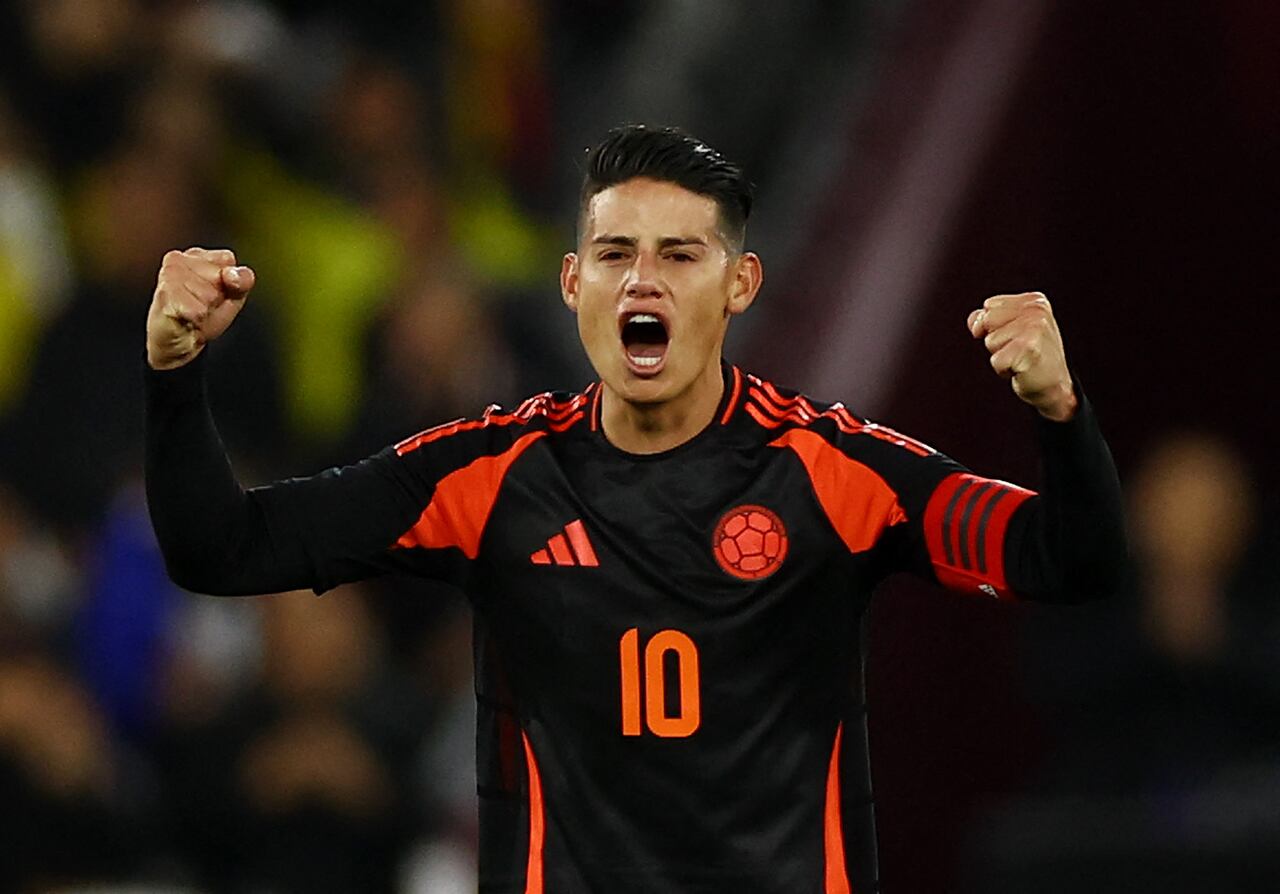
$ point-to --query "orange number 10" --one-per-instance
(655, 685)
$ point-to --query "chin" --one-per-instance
(636, 390)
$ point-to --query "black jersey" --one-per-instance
(668, 646)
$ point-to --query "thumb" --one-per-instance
(977, 323)
(238, 281)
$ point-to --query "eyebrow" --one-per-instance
(632, 241)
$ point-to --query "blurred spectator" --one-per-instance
(320, 259)
(71, 66)
(74, 436)
(1165, 706)
(446, 764)
(293, 786)
(439, 356)
(60, 784)
(35, 269)
(39, 581)
(126, 624)
(498, 114)
(75, 433)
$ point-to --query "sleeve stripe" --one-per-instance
(946, 520)
(981, 539)
(979, 493)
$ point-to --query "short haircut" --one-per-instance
(671, 155)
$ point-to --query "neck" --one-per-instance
(655, 427)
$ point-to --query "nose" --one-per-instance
(642, 280)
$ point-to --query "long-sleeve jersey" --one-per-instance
(667, 646)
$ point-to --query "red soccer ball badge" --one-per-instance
(750, 542)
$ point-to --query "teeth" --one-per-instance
(644, 361)
(644, 318)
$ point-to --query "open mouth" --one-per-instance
(644, 341)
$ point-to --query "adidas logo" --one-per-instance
(570, 547)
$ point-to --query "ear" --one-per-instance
(569, 281)
(748, 274)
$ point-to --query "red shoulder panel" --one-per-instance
(859, 503)
(460, 507)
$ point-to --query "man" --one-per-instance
(669, 569)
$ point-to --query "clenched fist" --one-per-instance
(198, 293)
(1026, 347)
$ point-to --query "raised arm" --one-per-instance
(217, 538)
(1068, 543)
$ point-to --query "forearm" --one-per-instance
(1068, 544)
(213, 535)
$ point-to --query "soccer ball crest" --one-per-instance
(750, 542)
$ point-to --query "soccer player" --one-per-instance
(669, 569)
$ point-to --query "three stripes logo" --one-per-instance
(570, 547)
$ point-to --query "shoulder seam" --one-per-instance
(771, 410)
(560, 416)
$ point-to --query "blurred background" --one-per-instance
(403, 176)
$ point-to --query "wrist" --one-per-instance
(1062, 405)
(164, 363)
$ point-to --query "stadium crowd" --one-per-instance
(283, 744)
(396, 177)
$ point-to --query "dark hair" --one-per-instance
(671, 155)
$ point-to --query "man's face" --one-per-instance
(654, 284)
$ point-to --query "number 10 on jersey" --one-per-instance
(688, 715)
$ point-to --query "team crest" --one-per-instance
(750, 542)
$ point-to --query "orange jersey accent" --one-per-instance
(859, 503)
(836, 878)
(457, 514)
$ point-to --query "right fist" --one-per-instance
(198, 293)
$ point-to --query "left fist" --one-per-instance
(1026, 347)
